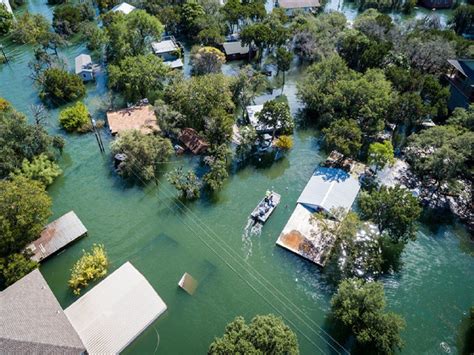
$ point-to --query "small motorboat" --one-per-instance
(265, 208)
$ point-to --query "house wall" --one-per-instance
(87, 76)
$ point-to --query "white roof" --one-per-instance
(298, 4)
(113, 313)
(124, 8)
(174, 64)
(235, 47)
(164, 46)
(252, 115)
(7, 5)
(330, 188)
(83, 62)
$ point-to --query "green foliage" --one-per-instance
(131, 35)
(360, 52)
(248, 136)
(315, 38)
(41, 169)
(187, 184)
(75, 118)
(276, 114)
(381, 154)
(138, 77)
(24, 210)
(200, 99)
(344, 136)
(394, 210)
(60, 86)
(191, 12)
(96, 37)
(381, 5)
(91, 266)
(284, 142)
(462, 118)
(360, 306)
(331, 91)
(206, 60)
(217, 175)
(463, 19)
(6, 20)
(20, 141)
(246, 85)
(69, 19)
(440, 155)
(266, 334)
(14, 267)
(145, 154)
(29, 28)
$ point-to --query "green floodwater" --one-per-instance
(237, 274)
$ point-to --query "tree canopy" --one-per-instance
(394, 210)
(59, 86)
(344, 136)
(381, 154)
(360, 306)
(207, 60)
(75, 118)
(265, 334)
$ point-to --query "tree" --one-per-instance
(381, 154)
(187, 184)
(68, 19)
(440, 156)
(217, 174)
(394, 210)
(29, 28)
(75, 118)
(463, 19)
(96, 37)
(218, 127)
(344, 136)
(41, 169)
(145, 154)
(199, 98)
(462, 118)
(138, 77)
(24, 210)
(131, 35)
(245, 86)
(6, 20)
(248, 136)
(276, 115)
(283, 60)
(206, 60)
(284, 142)
(91, 266)
(360, 306)
(266, 334)
(258, 34)
(14, 267)
(59, 86)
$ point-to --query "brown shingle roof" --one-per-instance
(141, 118)
(33, 322)
(193, 141)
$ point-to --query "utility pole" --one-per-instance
(97, 135)
(3, 52)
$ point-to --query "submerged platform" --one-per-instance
(188, 283)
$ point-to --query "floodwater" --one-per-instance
(240, 272)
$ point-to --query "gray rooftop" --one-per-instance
(330, 188)
(83, 62)
(124, 8)
(165, 46)
(33, 322)
(298, 4)
(235, 47)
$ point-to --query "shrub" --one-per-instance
(284, 142)
(91, 266)
(6, 20)
(30, 28)
(59, 86)
(75, 118)
(14, 267)
(41, 169)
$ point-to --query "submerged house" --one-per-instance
(84, 67)
(124, 8)
(139, 117)
(235, 50)
(328, 189)
(170, 51)
(33, 322)
(57, 235)
(461, 80)
(191, 139)
(116, 311)
(252, 116)
(290, 6)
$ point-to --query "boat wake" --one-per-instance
(251, 230)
